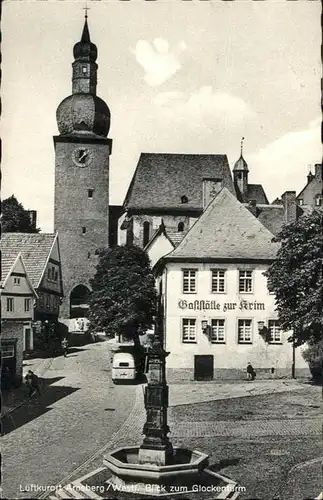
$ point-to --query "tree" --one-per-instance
(15, 219)
(123, 297)
(296, 278)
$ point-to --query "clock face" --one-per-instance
(82, 156)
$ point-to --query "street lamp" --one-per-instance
(204, 325)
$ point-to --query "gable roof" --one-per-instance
(160, 180)
(226, 230)
(35, 249)
(8, 265)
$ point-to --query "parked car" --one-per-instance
(123, 367)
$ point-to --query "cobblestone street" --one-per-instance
(251, 431)
(79, 410)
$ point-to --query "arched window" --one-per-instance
(79, 301)
(180, 227)
(318, 200)
(146, 228)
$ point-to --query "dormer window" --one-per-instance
(184, 199)
(180, 227)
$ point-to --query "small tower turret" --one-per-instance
(84, 67)
(240, 173)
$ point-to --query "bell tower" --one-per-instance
(82, 150)
(240, 175)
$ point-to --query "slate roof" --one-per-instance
(272, 217)
(254, 192)
(226, 230)
(34, 248)
(175, 237)
(7, 261)
(161, 179)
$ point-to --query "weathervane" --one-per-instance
(241, 145)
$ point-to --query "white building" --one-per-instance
(216, 298)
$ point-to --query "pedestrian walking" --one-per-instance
(32, 383)
(251, 372)
(65, 346)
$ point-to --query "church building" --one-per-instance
(82, 151)
(174, 188)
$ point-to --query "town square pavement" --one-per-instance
(79, 410)
(263, 434)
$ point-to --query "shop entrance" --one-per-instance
(203, 367)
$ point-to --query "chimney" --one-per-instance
(318, 171)
(289, 202)
(211, 188)
(310, 177)
(33, 218)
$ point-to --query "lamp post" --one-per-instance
(156, 447)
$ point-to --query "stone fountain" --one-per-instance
(156, 468)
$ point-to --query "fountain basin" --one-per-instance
(126, 470)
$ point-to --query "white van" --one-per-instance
(123, 367)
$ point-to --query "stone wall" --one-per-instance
(14, 330)
(80, 219)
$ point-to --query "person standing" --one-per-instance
(251, 372)
(32, 383)
(65, 346)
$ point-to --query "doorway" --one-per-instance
(203, 367)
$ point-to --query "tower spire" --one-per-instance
(84, 67)
(241, 146)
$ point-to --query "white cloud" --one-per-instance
(206, 106)
(284, 163)
(158, 60)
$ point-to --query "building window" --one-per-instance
(184, 199)
(244, 331)
(10, 304)
(84, 70)
(180, 227)
(16, 281)
(90, 193)
(218, 281)
(83, 229)
(189, 280)
(245, 281)
(189, 330)
(217, 331)
(8, 351)
(275, 334)
(318, 200)
(301, 201)
(88, 255)
(27, 305)
(146, 228)
(48, 301)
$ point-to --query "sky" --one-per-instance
(178, 77)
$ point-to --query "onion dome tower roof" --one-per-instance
(80, 113)
(85, 49)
